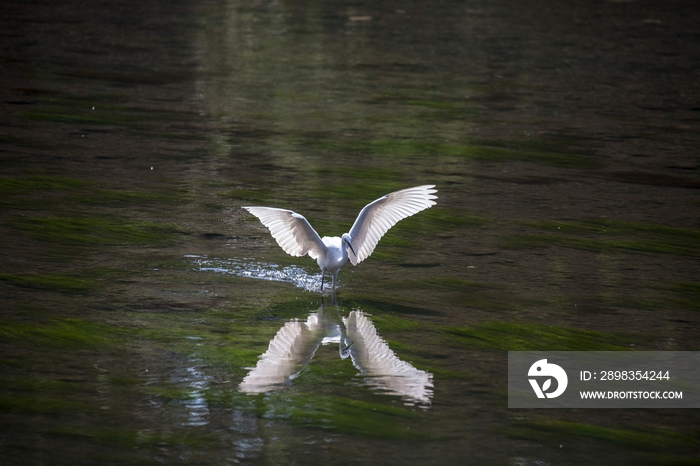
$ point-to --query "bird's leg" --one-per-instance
(323, 275)
(335, 278)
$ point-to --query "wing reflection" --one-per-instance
(371, 355)
(296, 342)
(292, 347)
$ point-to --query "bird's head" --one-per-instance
(347, 240)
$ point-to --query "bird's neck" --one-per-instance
(336, 252)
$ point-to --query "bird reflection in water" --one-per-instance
(296, 342)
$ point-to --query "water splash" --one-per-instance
(247, 267)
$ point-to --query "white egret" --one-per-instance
(296, 237)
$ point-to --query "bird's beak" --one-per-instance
(350, 246)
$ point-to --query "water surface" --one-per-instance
(137, 297)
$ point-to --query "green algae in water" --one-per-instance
(443, 283)
(461, 149)
(39, 405)
(393, 248)
(608, 236)
(690, 288)
(41, 396)
(128, 438)
(688, 295)
(32, 184)
(438, 219)
(96, 230)
(370, 303)
(98, 110)
(437, 104)
(508, 336)
(44, 192)
(50, 282)
(66, 333)
(26, 142)
(345, 415)
(388, 322)
(612, 227)
(61, 117)
(127, 198)
(354, 175)
(357, 190)
(466, 293)
(220, 341)
(556, 430)
(54, 387)
(318, 411)
(250, 195)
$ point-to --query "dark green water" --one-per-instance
(563, 139)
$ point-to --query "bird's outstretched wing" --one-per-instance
(377, 217)
(292, 231)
